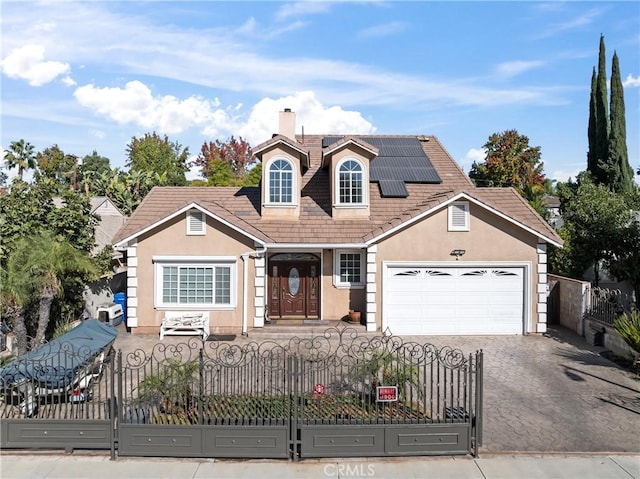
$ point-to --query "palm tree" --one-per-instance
(20, 154)
(36, 267)
(12, 310)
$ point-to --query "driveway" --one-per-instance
(554, 393)
(551, 393)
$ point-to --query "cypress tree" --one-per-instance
(619, 171)
(592, 161)
(602, 119)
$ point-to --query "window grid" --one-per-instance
(350, 182)
(196, 285)
(280, 182)
(350, 268)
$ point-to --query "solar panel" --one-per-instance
(393, 189)
(398, 159)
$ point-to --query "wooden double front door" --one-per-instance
(294, 287)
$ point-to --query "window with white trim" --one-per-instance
(195, 222)
(280, 184)
(195, 284)
(350, 188)
(349, 268)
(458, 216)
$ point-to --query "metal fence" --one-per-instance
(336, 394)
(606, 305)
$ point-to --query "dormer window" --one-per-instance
(280, 182)
(350, 189)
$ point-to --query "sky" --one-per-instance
(92, 75)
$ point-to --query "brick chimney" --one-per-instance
(288, 124)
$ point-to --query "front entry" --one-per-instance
(294, 286)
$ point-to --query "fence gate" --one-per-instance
(334, 395)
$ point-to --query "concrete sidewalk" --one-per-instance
(74, 466)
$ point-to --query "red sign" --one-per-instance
(386, 393)
(318, 390)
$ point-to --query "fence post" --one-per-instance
(292, 374)
(200, 386)
(479, 400)
(114, 408)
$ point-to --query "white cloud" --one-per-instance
(298, 9)
(511, 69)
(563, 176)
(311, 115)
(474, 154)
(135, 104)
(28, 63)
(384, 30)
(630, 81)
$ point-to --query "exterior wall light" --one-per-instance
(457, 253)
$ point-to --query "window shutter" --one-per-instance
(195, 223)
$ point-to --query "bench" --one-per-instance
(185, 324)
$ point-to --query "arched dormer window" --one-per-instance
(280, 182)
(350, 189)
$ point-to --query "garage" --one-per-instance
(449, 300)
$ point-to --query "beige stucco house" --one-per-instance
(386, 225)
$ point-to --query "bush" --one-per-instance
(628, 327)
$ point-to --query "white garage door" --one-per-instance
(450, 300)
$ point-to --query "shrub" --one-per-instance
(628, 327)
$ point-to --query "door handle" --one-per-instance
(283, 294)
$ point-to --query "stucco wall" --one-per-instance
(170, 239)
(336, 302)
(489, 239)
(572, 300)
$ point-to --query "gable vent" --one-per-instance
(195, 223)
(459, 216)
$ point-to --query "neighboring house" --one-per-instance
(111, 220)
(552, 208)
(386, 225)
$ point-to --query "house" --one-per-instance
(552, 208)
(386, 225)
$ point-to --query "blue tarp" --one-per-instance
(56, 364)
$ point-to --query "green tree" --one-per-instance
(56, 166)
(91, 168)
(596, 223)
(153, 154)
(37, 265)
(29, 209)
(21, 155)
(12, 310)
(619, 172)
(225, 163)
(25, 211)
(599, 156)
(624, 263)
(592, 158)
(510, 161)
(254, 176)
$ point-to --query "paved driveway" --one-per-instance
(551, 393)
(554, 393)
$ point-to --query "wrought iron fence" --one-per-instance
(339, 379)
(334, 378)
(606, 305)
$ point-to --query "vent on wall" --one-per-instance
(459, 216)
(195, 222)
